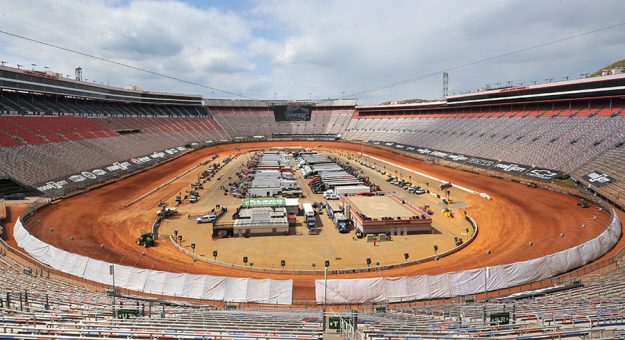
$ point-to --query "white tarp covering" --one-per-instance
(497, 278)
(467, 282)
(229, 289)
(367, 290)
(408, 288)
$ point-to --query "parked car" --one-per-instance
(206, 219)
(413, 188)
(166, 212)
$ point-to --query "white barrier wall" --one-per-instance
(206, 287)
(474, 281)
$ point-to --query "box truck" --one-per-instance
(309, 217)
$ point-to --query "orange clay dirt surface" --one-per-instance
(96, 223)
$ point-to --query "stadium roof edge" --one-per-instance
(541, 86)
(59, 77)
(409, 105)
(268, 103)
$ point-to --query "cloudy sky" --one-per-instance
(314, 49)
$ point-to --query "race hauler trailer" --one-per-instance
(309, 216)
(335, 212)
(341, 222)
(351, 189)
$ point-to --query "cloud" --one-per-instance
(322, 49)
(147, 41)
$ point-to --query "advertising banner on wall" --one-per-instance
(598, 178)
(481, 162)
(103, 173)
(543, 174)
(511, 168)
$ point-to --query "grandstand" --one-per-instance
(66, 127)
(565, 129)
(242, 118)
(593, 301)
(548, 137)
(36, 305)
(62, 135)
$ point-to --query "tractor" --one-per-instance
(146, 239)
(583, 203)
(427, 209)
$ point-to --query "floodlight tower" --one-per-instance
(445, 85)
(78, 73)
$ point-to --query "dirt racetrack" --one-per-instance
(96, 224)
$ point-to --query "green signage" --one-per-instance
(334, 322)
(500, 318)
(263, 202)
(127, 313)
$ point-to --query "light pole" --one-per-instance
(3, 62)
(112, 270)
(325, 293)
(33, 66)
(19, 67)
